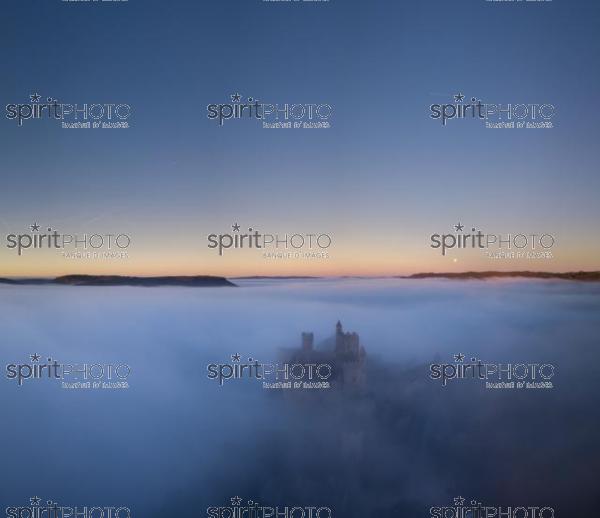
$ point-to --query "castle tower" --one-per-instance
(352, 343)
(339, 336)
(307, 341)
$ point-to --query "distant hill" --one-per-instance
(212, 281)
(195, 281)
(276, 277)
(568, 276)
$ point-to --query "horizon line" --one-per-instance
(340, 276)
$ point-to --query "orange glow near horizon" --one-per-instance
(251, 263)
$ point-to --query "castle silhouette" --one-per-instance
(347, 357)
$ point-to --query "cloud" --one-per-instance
(177, 443)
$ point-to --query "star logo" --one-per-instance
(35, 357)
(35, 98)
(459, 98)
(35, 227)
(236, 98)
(235, 357)
(458, 227)
(35, 500)
(459, 500)
(235, 227)
(459, 357)
(236, 500)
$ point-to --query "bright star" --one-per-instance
(236, 500)
(459, 227)
(459, 500)
(35, 500)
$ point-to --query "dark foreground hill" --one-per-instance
(568, 276)
(194, 281)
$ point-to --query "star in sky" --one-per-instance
(235, 227)
(35, 357)
(35, 98)
(35, 227)
(236, 500)
(236, 98)
(459, 357)
(459, 500)
(459, 227)
(235, 357)
(35, 500)
(459, 98)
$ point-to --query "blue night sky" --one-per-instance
(381, 180)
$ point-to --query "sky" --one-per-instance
(380, 181)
